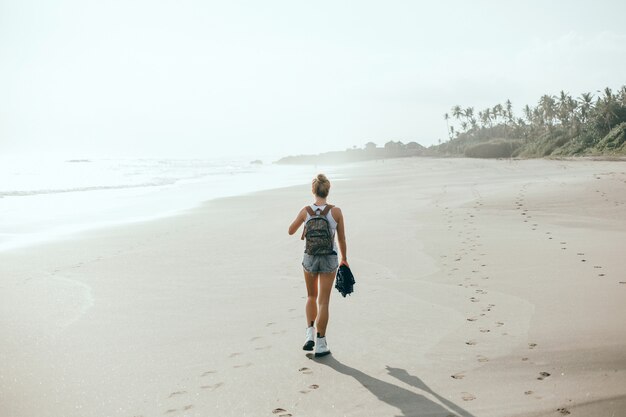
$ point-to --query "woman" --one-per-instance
(319, 270)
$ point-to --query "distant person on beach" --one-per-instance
(322, 221)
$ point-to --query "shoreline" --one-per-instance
(202, 313)
(76, 212)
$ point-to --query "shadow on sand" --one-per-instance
(409, 402)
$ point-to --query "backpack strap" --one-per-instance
(312, 213)
(326, 209)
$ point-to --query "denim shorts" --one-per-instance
(320, 263)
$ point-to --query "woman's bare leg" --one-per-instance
(326, 285)
(311, 280)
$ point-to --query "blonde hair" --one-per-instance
(320, 186)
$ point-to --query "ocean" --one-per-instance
(47, 199)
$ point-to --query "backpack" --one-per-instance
(318, 234)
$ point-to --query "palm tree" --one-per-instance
(538, 117)
(447, 117)
(608, 95)
(487, 116)
(507, 115)
(622, 95)
(457, 112)
(565, 108)
(528, 113)
(497, 112)
(586, 103)
(547, 108)
(473, 123)
(469, 117)
(606, 108)
(509, 110)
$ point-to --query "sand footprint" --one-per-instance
(563, 411)
(208, 373)
(212, 387)
(543, 375)
(310, 387)
(532, 345)
(481, 358)
(174, 394)
(459, 375)
(470, 342)
(305, 371)
(234, 354)
(466, 396)
(243, 365)
(281, 412)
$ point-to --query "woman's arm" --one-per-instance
(341, 237)
(297, 222)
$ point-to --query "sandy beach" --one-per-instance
(484, 288)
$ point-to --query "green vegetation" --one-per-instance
(369, 152)
(557, 126)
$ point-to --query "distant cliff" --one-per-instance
(369, 152)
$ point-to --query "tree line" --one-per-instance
(573, 125)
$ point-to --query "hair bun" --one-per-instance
(321, 185)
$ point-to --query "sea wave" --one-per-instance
(22, 193)
(111, 175)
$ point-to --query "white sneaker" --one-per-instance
(322, 348)
(309, 342)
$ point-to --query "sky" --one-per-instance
(212, 79)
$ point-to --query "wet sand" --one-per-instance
(484, 288)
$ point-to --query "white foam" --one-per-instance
(42, 201)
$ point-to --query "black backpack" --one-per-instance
(319, 236)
